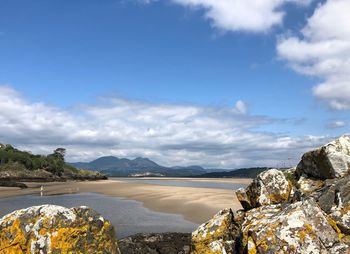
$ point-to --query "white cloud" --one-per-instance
(171, 134)
(240, 107)
(242, 15)
(336, 124)
(323, 51)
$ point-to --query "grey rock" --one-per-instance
(334, 194)
(218, 235)
(329, 161)
(269, 187)
(301, 227)
(161, 243)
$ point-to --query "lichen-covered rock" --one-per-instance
(217, 236)
(307, 185)
(55, 229)
(301, 227)
(243, 198)
(269, 187)
(341, 217)
(340, 249)
(329, 161)
(252, 222)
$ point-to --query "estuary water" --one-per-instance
(128, 216)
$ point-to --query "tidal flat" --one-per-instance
(135, 205)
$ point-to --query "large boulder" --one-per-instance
(217, 235)
(301, 227)
(55, 229)
(329, 161)
(269, 187)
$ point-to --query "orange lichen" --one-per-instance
(251, 246)
(15, 245)
(59, 235)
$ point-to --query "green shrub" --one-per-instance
(14, 159)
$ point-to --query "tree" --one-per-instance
(60, 153)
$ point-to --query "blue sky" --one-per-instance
(75, 56)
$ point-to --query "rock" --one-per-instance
(335, 194)
(217, 235)
(341, 217)
(165, 243)
(304, 210)
(340, 249)
(13, 184)
(243, 199)
(252, 221)
(270, 187)
(55, 229)
(308, 185)
(40, 175)
(329, 161)
(28, 176)
(301, 227)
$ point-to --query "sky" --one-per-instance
(216, 83)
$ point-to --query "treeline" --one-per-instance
(238, 173)
(12, 158)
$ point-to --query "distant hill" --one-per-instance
(238, 173)
(114, 166)
(139, 167)
(111, 162)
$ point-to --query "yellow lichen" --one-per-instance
(251, 246)
(276, 198)
(201, 242)
(15, 245)
(334, 225)
(79, 236)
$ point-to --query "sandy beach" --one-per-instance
(194, 204)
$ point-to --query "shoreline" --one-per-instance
(194, 204)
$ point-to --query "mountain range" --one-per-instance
(114, 166)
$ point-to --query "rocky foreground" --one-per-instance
(302, 210)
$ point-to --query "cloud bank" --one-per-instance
(240, 15)
(323, 51)
(171, 134)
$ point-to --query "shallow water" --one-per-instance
(128, 216)
(182, 183)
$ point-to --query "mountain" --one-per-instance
(114, 166)
(111, 162)
(237, 173)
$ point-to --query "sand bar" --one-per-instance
(195, 204)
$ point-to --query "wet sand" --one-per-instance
(195, 204)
